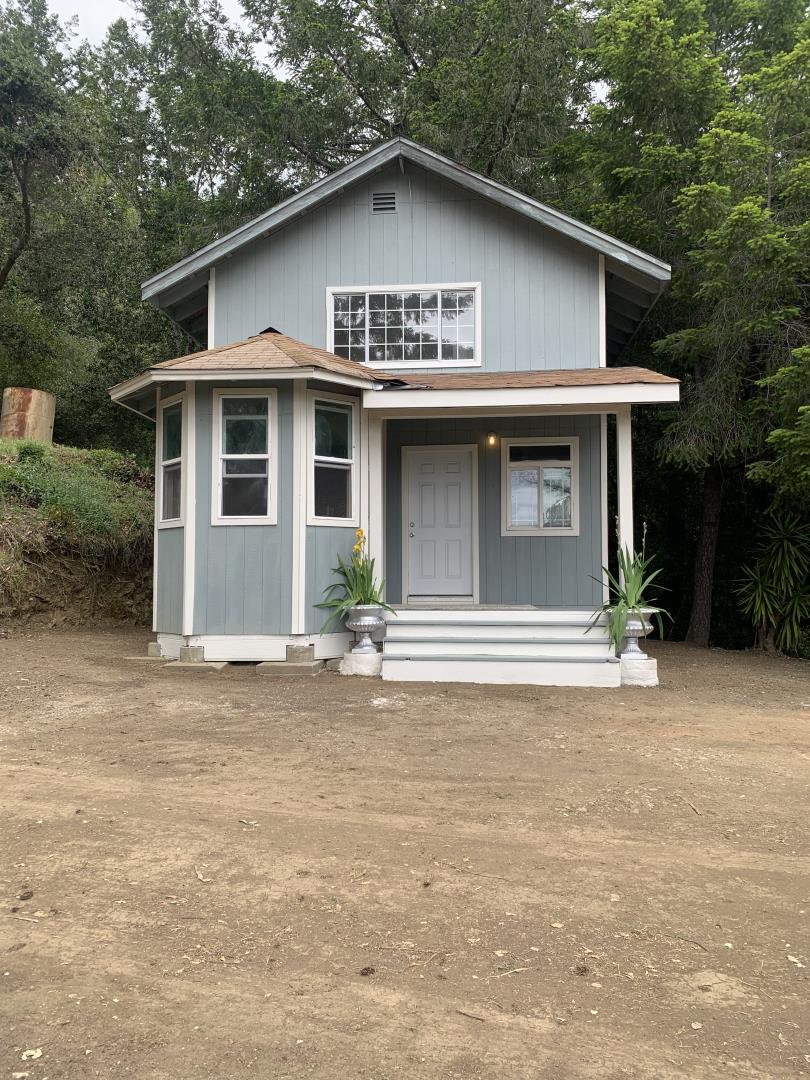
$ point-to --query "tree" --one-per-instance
(38, 137)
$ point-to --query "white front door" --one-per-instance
(439, 521)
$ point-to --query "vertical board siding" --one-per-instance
(540, 291)
(552, 571)
(323, 545)
(243, 575)
(169, 600)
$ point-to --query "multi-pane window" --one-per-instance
(333, 460)
(243, 462)
(432, 326)
(171, 462)
(539, 486)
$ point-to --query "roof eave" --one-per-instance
(597, 397)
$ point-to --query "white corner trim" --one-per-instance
(271, 517)
(602, 313)
(376, 493)
(453, 286)
(212, 306)
(545, 440)
(300, 475)
(353, 521)
(155, 553)
(393, 401)
(189, 485)
(163, 404)
(603, 486)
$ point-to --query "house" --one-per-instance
(410, 348)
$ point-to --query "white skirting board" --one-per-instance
(257, 647)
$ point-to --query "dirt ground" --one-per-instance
(227, 876)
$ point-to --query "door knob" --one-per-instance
(410, 534)
(411, 524)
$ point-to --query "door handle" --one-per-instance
(411, 524)
(410, 534)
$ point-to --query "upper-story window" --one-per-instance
(407, 326)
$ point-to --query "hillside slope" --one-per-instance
(75, 534)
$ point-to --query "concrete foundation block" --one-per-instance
(365, 663)
(153, 651)
(640, 672)
(285, 667)
(200, 666)
(300, 654)
(192, 654)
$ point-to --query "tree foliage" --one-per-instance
(680, 126)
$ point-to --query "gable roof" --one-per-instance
(653, 272)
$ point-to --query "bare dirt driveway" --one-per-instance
(231, 875)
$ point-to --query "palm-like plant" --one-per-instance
(629, 593)
(355, 587)
(775, 590)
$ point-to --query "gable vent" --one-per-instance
(383, 202)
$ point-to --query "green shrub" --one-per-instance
(91, 503)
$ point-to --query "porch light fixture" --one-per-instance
(492, 439)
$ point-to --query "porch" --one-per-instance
(491, 530)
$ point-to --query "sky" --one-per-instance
(96, 15)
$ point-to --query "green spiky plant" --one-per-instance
(629, 593)
(356, 585)
(775, 590)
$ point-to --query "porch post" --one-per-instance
(624, 477)
(376, 493)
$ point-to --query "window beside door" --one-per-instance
(333, 491)
(540, 487)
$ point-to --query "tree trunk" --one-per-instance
(700, 619)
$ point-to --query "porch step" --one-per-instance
(427, 645)
(525, 670)
(531, 625)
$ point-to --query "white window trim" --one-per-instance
(271, 517)
(314, 396)
(178, 522)
(447, 286)
(562, 440)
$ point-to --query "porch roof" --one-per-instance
(500, 380)
(595, 388)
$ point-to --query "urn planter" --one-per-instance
(365, 619)
(637, 626)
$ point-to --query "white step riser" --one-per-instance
(504, 631)
(531, 616)
(436, 646)
(502, 672)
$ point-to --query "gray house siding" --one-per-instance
(243, 573)
(539, 295)
(169, 600)
(324, 544)
(549, 572)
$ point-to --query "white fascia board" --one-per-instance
(332, 185)
(169, 375)
(620, 394)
